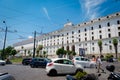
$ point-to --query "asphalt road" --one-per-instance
(21, 72)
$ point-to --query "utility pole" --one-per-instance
(34, 44)
(3, 54)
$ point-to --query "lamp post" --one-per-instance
(3, 54)
(34, 44)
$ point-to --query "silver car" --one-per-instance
(2, 62)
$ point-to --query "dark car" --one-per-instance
(6, 76)
(26, 61)
(39, 62)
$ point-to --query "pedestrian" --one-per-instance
(99, 65)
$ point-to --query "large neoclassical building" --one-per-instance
(81, 38)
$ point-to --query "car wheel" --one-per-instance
(32, 66)
(52, 73)
(3, 64)
(81, 70)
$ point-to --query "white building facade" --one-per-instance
(80, 37)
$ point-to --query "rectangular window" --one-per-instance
(100, 31)
(118, 33)
(93, 48)
(72, 32)
(108, 24)
(99, 26)
(91, 28)
(108, 30)
(92, 33)
(100, 36)
(79, 39)
(118, 22)
(85, 39)
(78, 31)
(92, 37)
(110, 47)
(118, 28)
(109, 35)
(67, 33)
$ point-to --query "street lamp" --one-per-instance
(3, 54)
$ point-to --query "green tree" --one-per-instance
(22, 49)
(39, 48)
(44, 53)
(8, 51)
(25, 52)
(60, 52)
(13, 52)
(100, 46)
(29, 53)
(115, 43)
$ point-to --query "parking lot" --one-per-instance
(21, 72)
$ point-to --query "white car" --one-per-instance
(85, 62)
(62, 66)
(2, 62)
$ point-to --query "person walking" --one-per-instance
(99, 65)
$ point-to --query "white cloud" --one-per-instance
(91, 8)
(46, 13)
(30, 37)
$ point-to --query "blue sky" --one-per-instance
(26, 16)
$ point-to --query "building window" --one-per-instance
(85, 34)
(109, 35)
(110, 47)
(119, 33)
(79, 39)
(85, 39)
(92, 33)
(92, 43)
(99, 26)
(91, 28)
(118, 28)
(108, 24)
(109, 41)
(72, 32)
(118, 22)
(100, 36)
(79, 35)
(67, 42)
(67, 33)
(72, 36)
(108, 30)
(72, 41)
(78, 31)
(100, 31)
(93, 49)
(92, 37)
(85, 30)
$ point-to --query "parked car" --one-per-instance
(62, 66)
(6, 76)
(39, 62)
(112, 60)
(2, 62)
(26, 61)
(85, 62)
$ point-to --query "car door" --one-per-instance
(68, 66)
(87, 62)
(58, 66)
